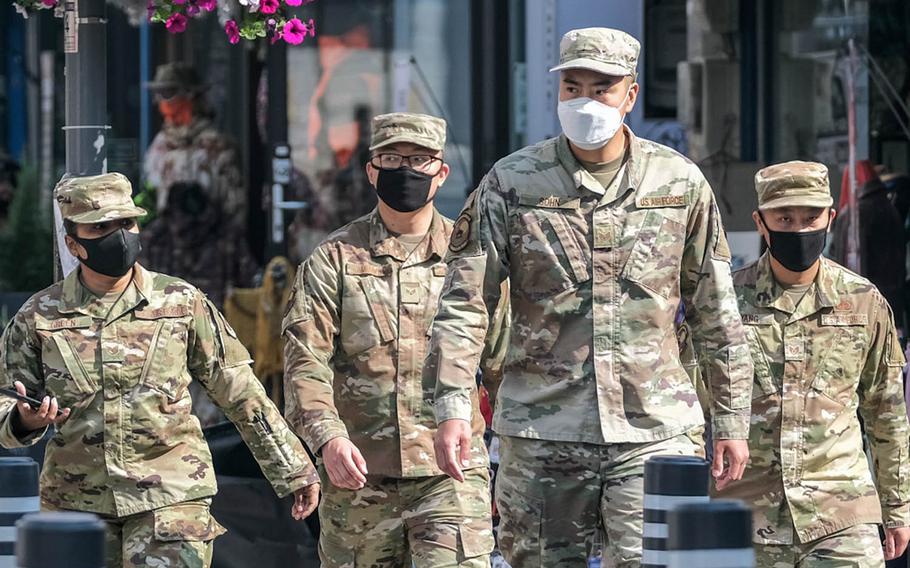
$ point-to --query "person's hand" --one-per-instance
(344, 463)
(31, 419)
(896, 542)
(453, 447)
(305, 501)
(730, 458)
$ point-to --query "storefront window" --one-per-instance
(371, 57)
(810, 72)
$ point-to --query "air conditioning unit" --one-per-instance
(802, 88)
(709, 105)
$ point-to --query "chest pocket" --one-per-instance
(656, 253)
(551, 247)
(842, 362)
(365, 318)
(68, 352)
(764, 383)
(164, 367)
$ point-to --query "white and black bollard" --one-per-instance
(670, 481)
(54, 540)
(711, 535)
(18, 497)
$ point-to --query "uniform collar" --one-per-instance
(384, 243)
(75, 295)
(583, 178)
(770, 294)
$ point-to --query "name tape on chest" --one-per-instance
(656, 201)
(758, 319)
(845, 319)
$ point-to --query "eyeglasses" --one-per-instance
(420, 162)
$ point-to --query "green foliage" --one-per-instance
(147, 198)
(26, 242)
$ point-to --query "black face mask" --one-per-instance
(404, 189)
(796, 252)
(112, 255)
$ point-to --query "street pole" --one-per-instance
(279, 150)
(85, 46)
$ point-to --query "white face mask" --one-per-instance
(590, 124)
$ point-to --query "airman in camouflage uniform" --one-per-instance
(356, 332)
(118, 349)
(824, 346)
(598, 264)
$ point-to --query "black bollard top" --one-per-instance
(18, 477)
(724, 523)
(52, 540)
(676, 475)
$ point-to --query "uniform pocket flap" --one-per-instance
(186, 522)
(163, 312)
(476, 538)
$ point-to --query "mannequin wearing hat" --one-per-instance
(190, 153)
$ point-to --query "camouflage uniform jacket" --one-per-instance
(356, 332)
(131, 444)
(198, 153)
(816, 364)
(597, 275)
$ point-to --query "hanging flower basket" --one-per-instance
(26, 7)
(250, 20)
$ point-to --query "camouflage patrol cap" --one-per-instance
(177, 76)
(421, 129)
(96, 199)
(793, 184)
(604, 50)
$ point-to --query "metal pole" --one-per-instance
(145, 100)
(48, 90)
(279, 149)
(85, 46)
(854, 258)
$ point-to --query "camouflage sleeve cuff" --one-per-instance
(453, 406)
(730, 427)
(895, 517)
(307, 478)
(9, 439)
(320, 435)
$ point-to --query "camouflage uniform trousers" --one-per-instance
(434, 522)
(176, 536)
(558, 500)
(856, 546)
